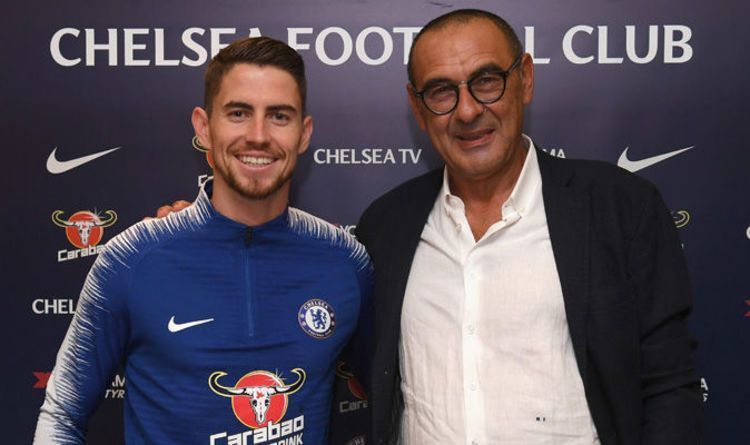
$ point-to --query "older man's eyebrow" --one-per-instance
(487, 67)
(437, 81)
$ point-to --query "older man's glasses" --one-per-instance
(486, 87)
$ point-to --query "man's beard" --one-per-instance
(256, 192)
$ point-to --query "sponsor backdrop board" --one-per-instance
(659, 87)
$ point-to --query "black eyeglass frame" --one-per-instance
(468, 82)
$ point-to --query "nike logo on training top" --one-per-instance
(56, 166)
(634, 166)
(177, 327)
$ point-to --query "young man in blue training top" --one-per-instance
(229, 317)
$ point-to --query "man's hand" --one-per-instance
(165, 210)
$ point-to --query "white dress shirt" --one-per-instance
(485, 352)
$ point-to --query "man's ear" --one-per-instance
(199, 118)
(527, 78)
(416, 107)
(307, 130)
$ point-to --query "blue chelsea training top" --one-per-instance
(228, 334)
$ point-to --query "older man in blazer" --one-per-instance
(520, 298)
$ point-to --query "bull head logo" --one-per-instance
(84, 228)
(342, 370)
(260, 395)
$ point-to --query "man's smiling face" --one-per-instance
(255, 131)
(475, 140)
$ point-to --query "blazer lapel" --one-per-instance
(568, 213)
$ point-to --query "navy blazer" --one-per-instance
(625, 285)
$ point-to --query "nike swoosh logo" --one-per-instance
(177, 327)
(55, 166)
(634, 166)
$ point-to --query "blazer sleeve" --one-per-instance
(358, 353)
(672, 405)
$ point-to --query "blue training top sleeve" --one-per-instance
(92, 350)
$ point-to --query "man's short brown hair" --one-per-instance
(261, 51)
